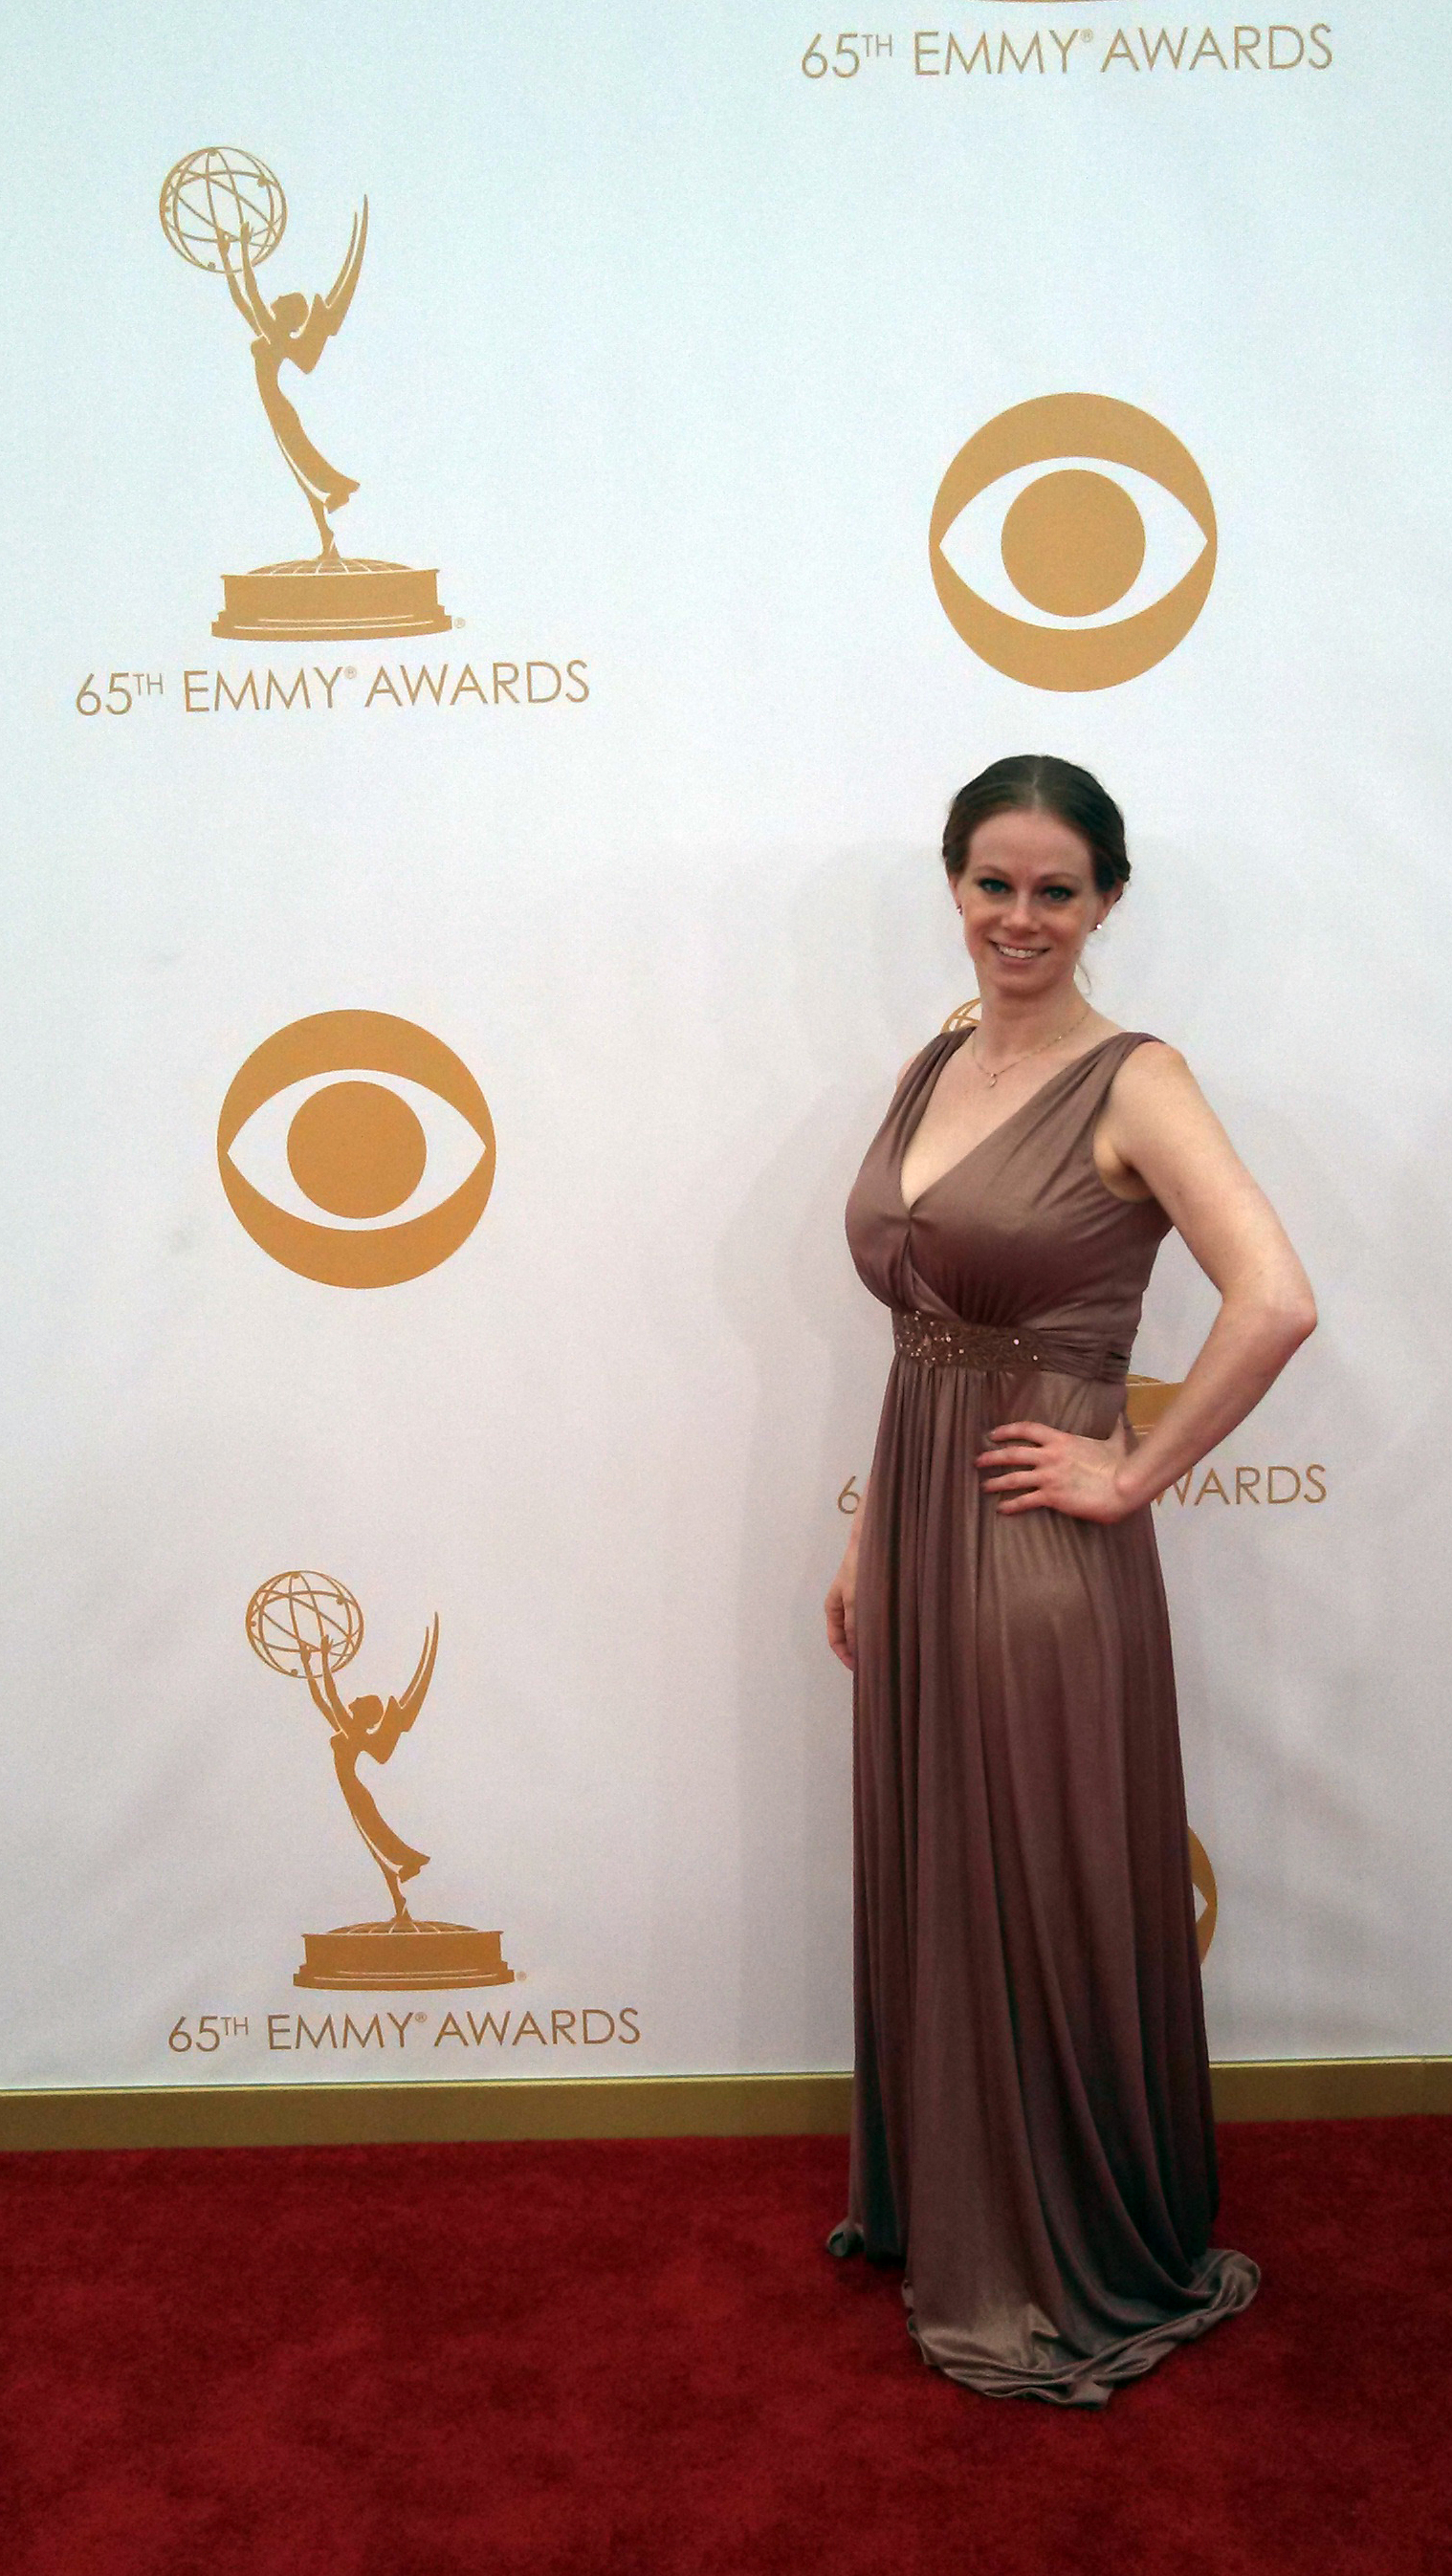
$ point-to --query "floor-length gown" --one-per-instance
(1032, 2128)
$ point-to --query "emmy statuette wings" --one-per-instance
(309, 1626)
(224, 212)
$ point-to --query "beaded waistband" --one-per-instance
(936, 1341)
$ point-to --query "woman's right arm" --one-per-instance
(841, 1602)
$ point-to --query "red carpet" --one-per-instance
(431, 2361)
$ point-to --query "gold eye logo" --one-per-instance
(1072, 543)
(358, 1149)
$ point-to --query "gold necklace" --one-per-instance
(1041, 1049)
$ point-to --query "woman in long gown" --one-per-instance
(1032, 2128)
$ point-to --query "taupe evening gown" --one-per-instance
(1032, 2129)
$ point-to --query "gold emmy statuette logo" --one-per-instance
(309, 1627)
(1202, 1878)
(356, 1149)
(965, 1016)
(1072, 542)
(1146, 1398)
(224, 211)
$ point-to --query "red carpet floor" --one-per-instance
(427, 2361)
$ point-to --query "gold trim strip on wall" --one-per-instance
(663, 2106)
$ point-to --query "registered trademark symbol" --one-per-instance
(351, 672)
(459, 621)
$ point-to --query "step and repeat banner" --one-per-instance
(518, 521)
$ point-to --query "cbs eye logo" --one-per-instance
(1072, 543)
(295, 1138)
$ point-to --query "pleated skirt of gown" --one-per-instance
(1033, 2133)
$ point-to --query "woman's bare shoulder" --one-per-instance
(905, 1068)
(1154, 1092)
(1152, 1066)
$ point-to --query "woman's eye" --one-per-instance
(997, 886)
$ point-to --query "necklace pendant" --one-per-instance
(991, 1079)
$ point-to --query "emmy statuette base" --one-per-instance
(402, 1958)
(330, 599)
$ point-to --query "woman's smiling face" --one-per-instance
(1029, 901)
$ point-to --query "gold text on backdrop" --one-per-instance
(356, 1149)
(1217, 1479)
(224, 211)
(1072, 542)
(309, 1626)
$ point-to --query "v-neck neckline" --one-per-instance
(910, 1206)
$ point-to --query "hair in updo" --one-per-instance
(1035, 781)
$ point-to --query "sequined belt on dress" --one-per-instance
(936, 1341)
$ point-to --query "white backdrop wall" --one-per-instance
(659, 353)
